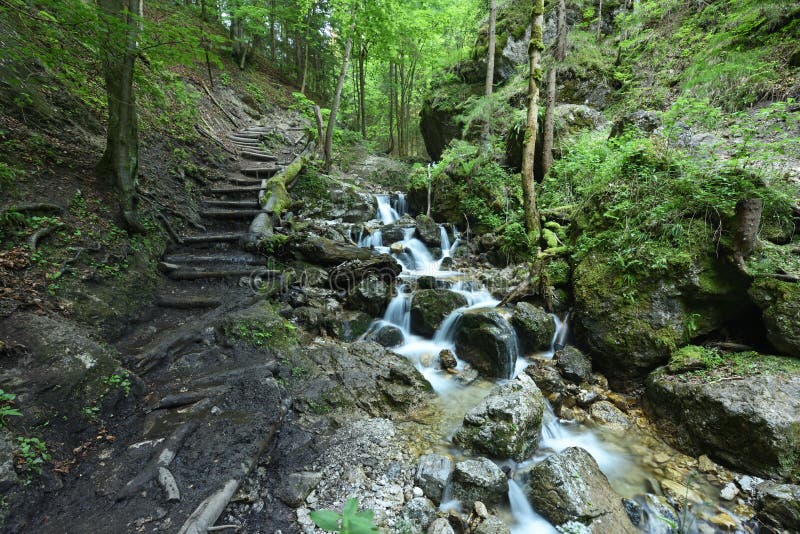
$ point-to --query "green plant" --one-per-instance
(350, 521)
(225, 79)
(32, 454)
(119, 381)
(6, 409)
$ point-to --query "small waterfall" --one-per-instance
(445, 239)
(527, 520)
(374, 239)
(416, 256)
(456, 241)
(386, 213)
(398, 312)
(400, 204)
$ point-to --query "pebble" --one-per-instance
(706, 465)
(729, 492)
(480, 510)
(662, 457)
(417, 491)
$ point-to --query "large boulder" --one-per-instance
(642, 120)
(433, 473)
(429, 307)
(322, 251)
(569, 486)
(427, 230)
(370, 295)
(780, 307)
(388, 336)
(507, 423)
(779, 505)
(744, 413)
(479, 480)
(535, 327)
(630, 335)
(573, 364)
(485, 339)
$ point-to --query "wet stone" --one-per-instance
(433, 472)
(447, 359)
(479, 480)
(419, 511)
(440, 526)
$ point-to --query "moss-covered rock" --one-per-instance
(429, 307)
(535, 327)
(486, 340)
(261, 327)
(633, 323)
(780, 305)
(743, 409)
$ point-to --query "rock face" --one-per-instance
(569, 486)
(433, 473)
(780, 306)
(535, 327)
(752, 423)
(429, 307)
(388, 336)
(645, 121)
(779, 504)
(573, 364)
(629, 338)
(370, 295)
(8, 476)
(486, 340)
(479, 480)
(507, 423)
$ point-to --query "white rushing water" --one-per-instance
(614, 460)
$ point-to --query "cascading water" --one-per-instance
(386, 213)
(615, 458)
(399, 204)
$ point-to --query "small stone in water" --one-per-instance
(662, 457)
(447, 359)
(729, 492)
(417, 491)
(426, 360)
(634, 510)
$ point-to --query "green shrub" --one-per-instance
(350, 521)
(32, 454)
(6, 410)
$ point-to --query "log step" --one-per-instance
(260, 172)
(187, 303)
(243, 181)
(242, 204)
(231, 214)
(211, 238)
(235, 259)
(234, 190)
(203, 274)
(257, 156)
(245, 135)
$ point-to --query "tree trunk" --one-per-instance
(535, 48)
(336, 99)
(599, 20)
(560, 54)
(272, 20)
(362, 60)
(748, 221)
(120, 161)
(391, 108)
(487, 126)
(401, 142)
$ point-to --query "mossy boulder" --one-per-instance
(260, 326)
(743, 410)
(427, 230)
(429, 307)
(534, 326)
(507, 423)
(780, 305)
(371, 295)
(632, 323)
(486, 340)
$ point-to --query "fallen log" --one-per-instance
(168, 484)
(277, 200)
(216, 103)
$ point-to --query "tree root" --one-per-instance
(168, 228)
(41, 233)
(162, 459)
(207, 513)
(168, 484)
(216, 103)
(33, 207)
(184, 399)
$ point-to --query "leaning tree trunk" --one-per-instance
(120, 162)
(336, 99)
(535, 48)
(487, 126)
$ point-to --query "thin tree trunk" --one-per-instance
(599, 20)
(336, 99)
(391, 107)
(203, 12)
(401, 141)
(120, 160)
(362, 60)
(487, 126)
(560, 53)
(535, 48)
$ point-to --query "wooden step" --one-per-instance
(243, 180)
(189, 273)
(260, 172)
(234, 190)
(230, 214)
(187, 302)
(240, 258)
(244, 134)
(241, 204)
(257, 156)
(211, 238)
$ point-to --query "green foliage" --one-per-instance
(350, 521)
(32, 454)
(650, 203)
(8, 176)
(6, 408)
(119, 381)
(274, 245)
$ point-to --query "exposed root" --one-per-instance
(168, 484)
(41, 233)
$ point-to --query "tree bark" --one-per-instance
(336, 100)
(549, 117)
(487, 126)
(362, 60)
(535, 48)
(391, 108)
(120, 161)
(748, 221)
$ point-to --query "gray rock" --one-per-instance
(427, 230)
(420, 512)
(729, 492)
(479, 480)
(546, 377)
(8, 476)
(573, 527)
(609, 416)
(440, 526)
(388, 336)
(492, 525)
(347, 325)
(569, 486)
(507, 423)
(426, 282)
(779, 504)
(371, 295)
(322, 251)
(573, 364)
(780, 305)
(645, 121)
(486, 340)
(433, 472)
(750, 423)
(535, 327)
(748, 483)
(295, 488)
(429, 307)
(394, 232)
